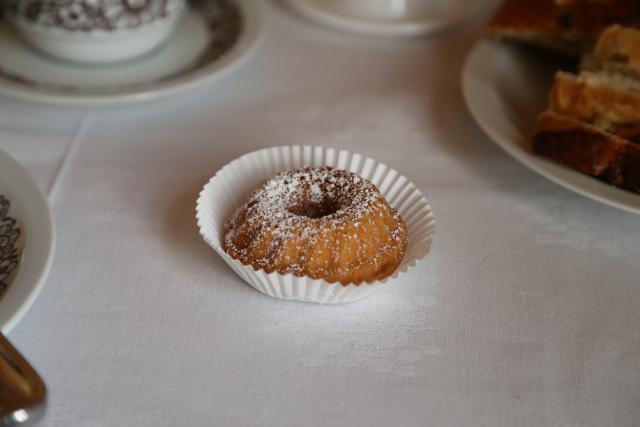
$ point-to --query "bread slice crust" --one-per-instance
(589, 150)
(566, 26)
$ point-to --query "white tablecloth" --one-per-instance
(526, 312)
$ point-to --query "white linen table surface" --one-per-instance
(526, 312)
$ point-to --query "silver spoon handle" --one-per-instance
(22, 391)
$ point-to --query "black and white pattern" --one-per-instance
(9, 253)
(89, 15)
(225, 22)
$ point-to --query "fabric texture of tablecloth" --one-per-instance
(525, 313)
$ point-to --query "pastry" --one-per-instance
(323, 223)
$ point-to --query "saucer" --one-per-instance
(27, 241)
(211, 39)
(418, 18)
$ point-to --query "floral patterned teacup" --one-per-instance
(95, 31)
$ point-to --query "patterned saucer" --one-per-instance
(211, 39)
(27, 241)
(9, 248)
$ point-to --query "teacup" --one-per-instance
(95, 31)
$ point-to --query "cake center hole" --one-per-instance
(315, 210)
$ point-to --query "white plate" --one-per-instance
(420, 17)
(198, 52)
(28, 206)
(505, 87)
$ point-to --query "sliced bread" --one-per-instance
(567, 26)
(617, 49)
(608, 101)
(588, 149)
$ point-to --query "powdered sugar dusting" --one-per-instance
(311, 207)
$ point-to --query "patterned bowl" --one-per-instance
(94, 31)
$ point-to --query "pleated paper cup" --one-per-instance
(231, 187)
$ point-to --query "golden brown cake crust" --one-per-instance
(322, 223)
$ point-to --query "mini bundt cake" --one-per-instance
(323, 223)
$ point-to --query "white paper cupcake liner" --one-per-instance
(231, 186)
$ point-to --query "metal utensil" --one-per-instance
(22, 391)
